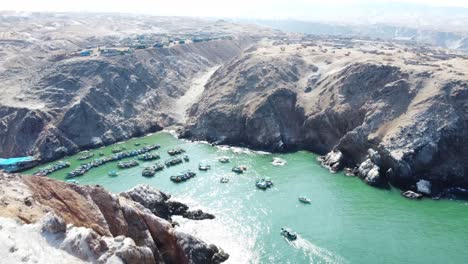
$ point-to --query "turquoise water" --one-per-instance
(347, 221)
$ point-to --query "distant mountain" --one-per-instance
(436, 38)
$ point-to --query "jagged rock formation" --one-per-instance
(354, 100)
(97, 226)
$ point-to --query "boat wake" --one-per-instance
(315, 253)
(230, 234)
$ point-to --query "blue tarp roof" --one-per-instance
(13, 161)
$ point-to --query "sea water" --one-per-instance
(346, 221)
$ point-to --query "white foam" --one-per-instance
(237, 239)
(278, 161)
(315, 253)
(21, 243)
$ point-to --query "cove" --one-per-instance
(346, 222)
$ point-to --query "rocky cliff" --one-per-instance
(385, 111)
(88, 102)
(96, 226)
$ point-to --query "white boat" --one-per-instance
(304, 199)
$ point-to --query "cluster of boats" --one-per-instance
(54, 167)
(173, 161)
(86, 155)
(239, 169)
(148, 156)
(181, 177)
(175, 151)
(127, 164)
(264, 184)
(151, 170)
(115, 157)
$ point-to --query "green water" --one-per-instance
(347, 221)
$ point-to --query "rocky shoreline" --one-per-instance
(374, 114)
(100, 227)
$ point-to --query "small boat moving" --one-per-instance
(224, 180)
(113, 173)
(288, 234)
(304, 199)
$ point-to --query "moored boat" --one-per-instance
(148, 171)
(223, 159)
(204, 167)
(175, 151)
(239, 169)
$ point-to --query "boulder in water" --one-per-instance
(424, 187)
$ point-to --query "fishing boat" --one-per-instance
(158, 167)
(113, 173)
(239, 169)
(148, 156)
(288, 234)
(203, 167)
(264, 184)
(304, 199)
(127, 164)
(176, 179)
(86, 155)
(173, 162)
(224, 160)
(175, 151)
(148, 171)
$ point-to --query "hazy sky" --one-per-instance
(214, 8)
